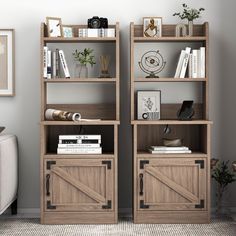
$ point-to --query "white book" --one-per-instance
(164, 148)
(79, 145)
(190, 66)
(195, 63)
(185, 62)
(49, 65)
(79, 151)
(202, 62)
(180, 63)
(89, 136)
(110, 32)
(64, 64)
(45, 62)
(93, 33)
(169, 152)
(54, 71)
(80, 141)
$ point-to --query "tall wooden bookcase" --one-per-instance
(170, 188)
(80, 188)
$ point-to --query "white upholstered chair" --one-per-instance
(8, 172)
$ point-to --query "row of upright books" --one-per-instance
(169, 150)
(52, 62)
(79, 144)
(191, 63)
(87, 32)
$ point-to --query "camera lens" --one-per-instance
(95, 23)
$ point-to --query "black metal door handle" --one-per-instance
(47, 184)
(141, 184)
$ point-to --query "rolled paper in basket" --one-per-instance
(52, 114)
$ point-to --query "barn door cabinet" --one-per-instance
(81, 189)
(170, 188)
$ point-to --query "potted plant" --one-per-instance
(82, 59)
(223, 175)
(190, 14)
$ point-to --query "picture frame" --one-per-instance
(152, 27)
(149, 104)
(7, 62)
(67, 31)
(54, 26)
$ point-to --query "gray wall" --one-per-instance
(25, 17)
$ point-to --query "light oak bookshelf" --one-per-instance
(171, 188)
(80, 188)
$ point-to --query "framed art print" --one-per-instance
(152, 26)
(7, 62)
(149, 105)
(67, 31)
(54, 27)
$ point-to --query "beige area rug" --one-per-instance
(32, 227)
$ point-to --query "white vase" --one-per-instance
(190, 28)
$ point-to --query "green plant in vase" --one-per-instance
(83, 59)
(224, 176)
(190, 14)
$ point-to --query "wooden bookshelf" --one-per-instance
(80, 188)
(171, 188)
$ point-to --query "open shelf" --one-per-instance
(171, 122)
(170, 39)
(97, 122)
(83, 80)
(77, 39)
(146, 154)
(171, 80)
(84, 156)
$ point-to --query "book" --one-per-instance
(64, 64)
(195, 64)
(164, 148)
(169, 151)
(180, 63)
(45, 62)
(89, 136)
(185, 62)
(81, 141)
(49, 64)
(190, 66)
(202, 58)
(87, 32)
(57, 64)
(79, 145)
(79, 150)
(54, 65)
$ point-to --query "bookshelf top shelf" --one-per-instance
(200, 33)
(171, 122)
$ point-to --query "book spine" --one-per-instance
(169, 148)
(170, 152)
(45, 62)
(57, 64)
(54, 65)
(180, 63)
(185, 62)
(49, 65)
(80, 141)
(79, 151)
(198, 64)
(80, 136)
(64, 64)
(190, 66)
(85, 145)
(194, 64)
(202, 62)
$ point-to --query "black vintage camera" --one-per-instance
(97, 22)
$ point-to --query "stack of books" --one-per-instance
(51, 63)
(168, 150)
(193, 60)
(79, 144)
(85, 32)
